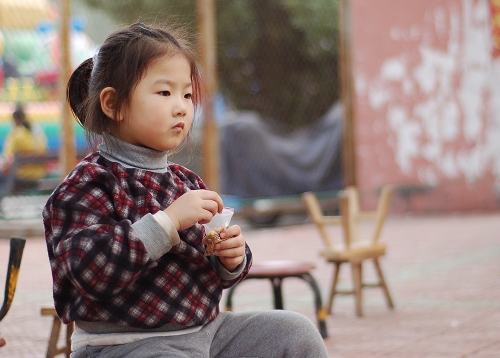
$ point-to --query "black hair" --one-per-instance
(20, 117)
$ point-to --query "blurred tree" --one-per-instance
(279, 58)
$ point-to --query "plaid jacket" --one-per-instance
(100, 267)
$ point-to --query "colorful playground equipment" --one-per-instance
(29, 66)
(47, 116)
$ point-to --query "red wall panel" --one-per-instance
(427, 102)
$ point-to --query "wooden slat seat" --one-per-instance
(279, 268)
(360, 250)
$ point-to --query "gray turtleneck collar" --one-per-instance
(132, 156)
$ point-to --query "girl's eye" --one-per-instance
(188, 96)
(165, 93)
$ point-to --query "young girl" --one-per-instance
(123, 230)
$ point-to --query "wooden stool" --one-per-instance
(354, 249)
(52, 349)
(276, 272)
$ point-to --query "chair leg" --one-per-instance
(356, 277)
(383, 284)
(54, 337)
(336, 270)
(52, 347)
(320, 311)
(278, 294)
(69, 331)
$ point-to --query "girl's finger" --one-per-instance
(230, 244)
(230, 253)
(231, 231)
(209, 195)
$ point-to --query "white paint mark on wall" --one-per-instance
(409, 132)
(379, 95)
(476, 61)
(449, 166)
(430, 133)
(393, 70)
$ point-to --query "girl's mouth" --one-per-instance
(179, 125)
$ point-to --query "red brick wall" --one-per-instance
(427, 102)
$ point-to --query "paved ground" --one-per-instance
(443, 273)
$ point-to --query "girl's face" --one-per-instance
(160, 112)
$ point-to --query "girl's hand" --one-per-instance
(231, 251)
(195, 206)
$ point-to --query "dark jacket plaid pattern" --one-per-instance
(101, 269)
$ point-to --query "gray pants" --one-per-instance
(269, 334)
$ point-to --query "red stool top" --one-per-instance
(280, 268)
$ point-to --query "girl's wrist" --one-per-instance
(173, 219)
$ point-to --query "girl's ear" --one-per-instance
(107, 98)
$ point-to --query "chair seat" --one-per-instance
(358, 251)
(279, 268)
(276, 271)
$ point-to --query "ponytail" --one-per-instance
(78, 88)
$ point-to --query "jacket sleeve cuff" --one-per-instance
(153, 235)
(168, 226)
(224, 273)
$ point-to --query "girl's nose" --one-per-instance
(180, 107)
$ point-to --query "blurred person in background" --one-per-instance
(24, 139)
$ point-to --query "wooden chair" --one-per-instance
(276, 272)
(52, 348)
(15, 256)
(353, 249)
